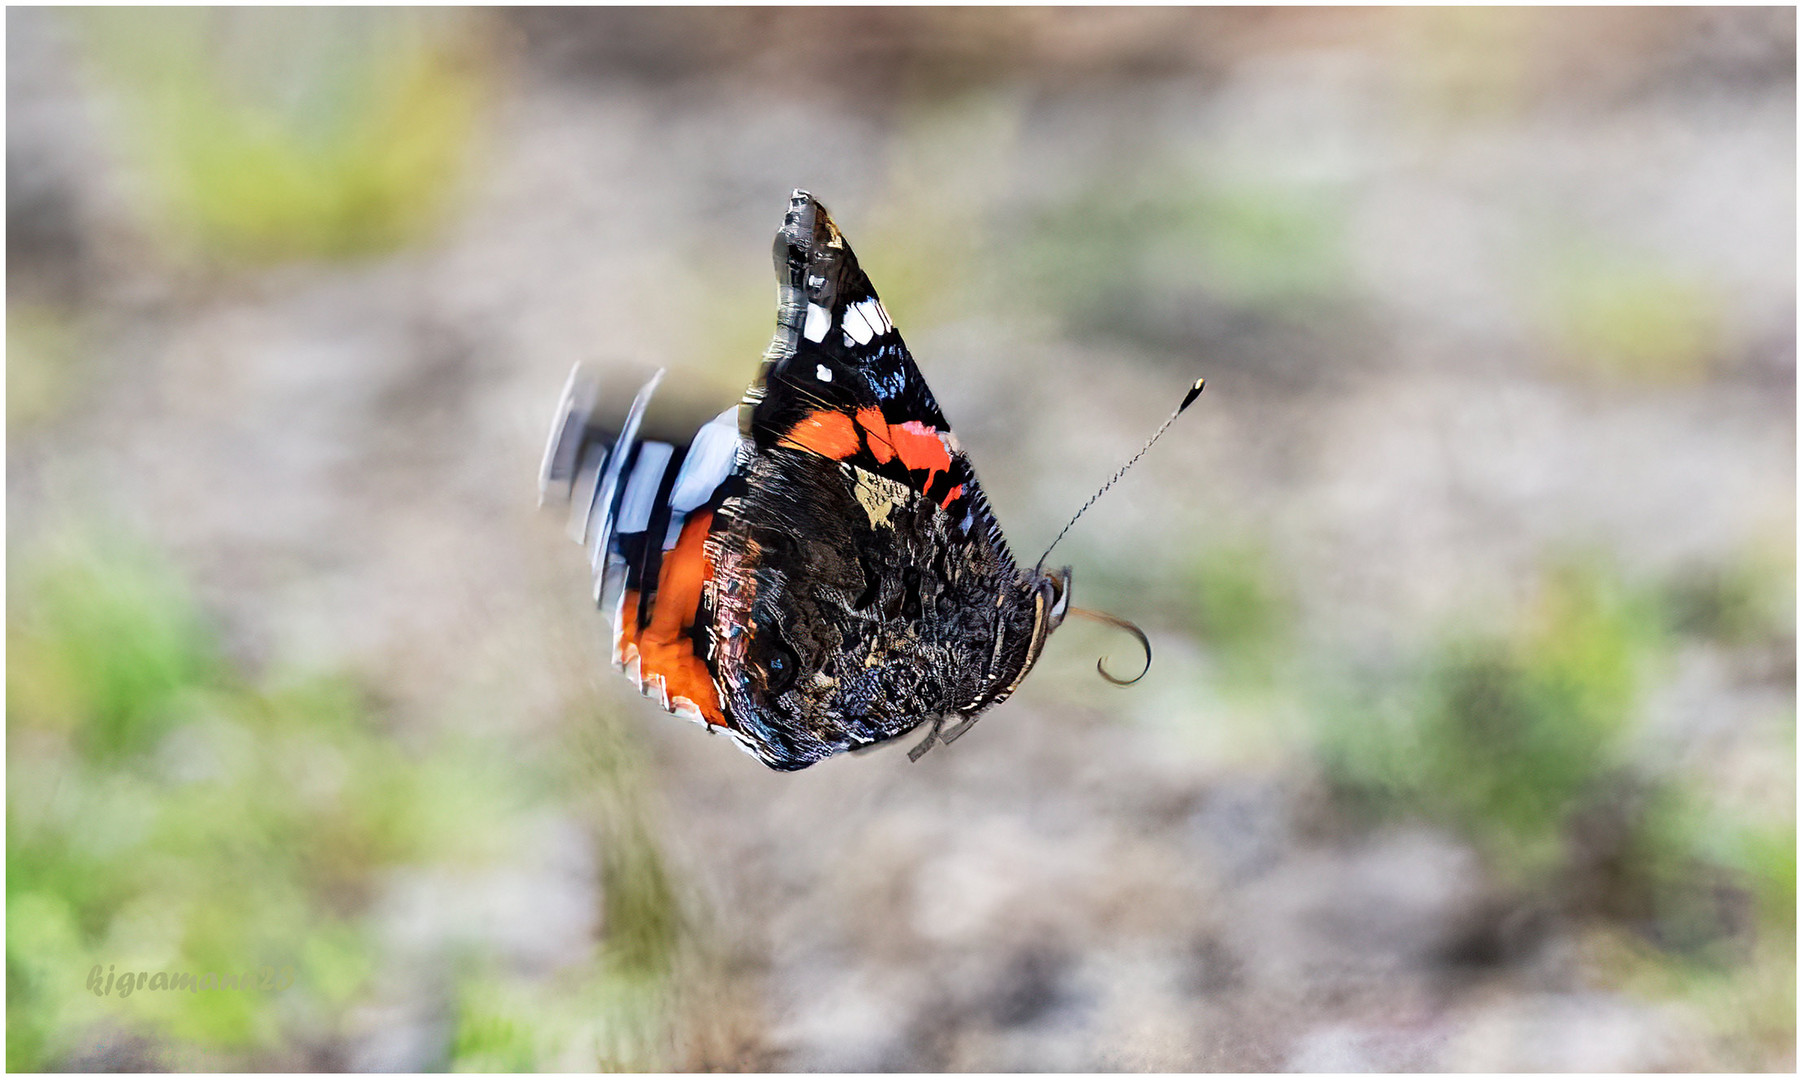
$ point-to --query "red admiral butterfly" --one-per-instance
(817, 569)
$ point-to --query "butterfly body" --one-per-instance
(818, 570)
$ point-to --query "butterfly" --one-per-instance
(817, 569)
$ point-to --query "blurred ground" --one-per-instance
(1470, 741)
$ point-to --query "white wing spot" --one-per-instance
(857, 324)
(823, 373)
(876, 316)
(819, 322)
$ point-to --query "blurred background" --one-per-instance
(1470, 738)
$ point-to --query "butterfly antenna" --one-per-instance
(1188, 399)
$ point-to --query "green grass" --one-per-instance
(1521, 737)
(616, 1010)
(1742, 601)
(105, 645)
(280, 133)
(41, 350)
(1242, 613)
(166, 815)
(1503, 735)
(167, 812)
(1132, 258)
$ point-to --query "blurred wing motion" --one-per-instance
(817, 570)
(643, 509)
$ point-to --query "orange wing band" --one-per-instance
(836, 436)
(667, 646)
(827, 433)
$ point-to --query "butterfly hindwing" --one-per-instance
(849, 609)
(644, 507)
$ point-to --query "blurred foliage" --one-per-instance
(1629, 319)
(1524, 741)
(1145, 259)
(1741, 601)
(41, 348)
(1744, 987)
(614, 1012)
(103, 646)
(1242, 613)
(167, 814)
(601, 1017)
(1503, 735)
(640, 907)
(276, 133)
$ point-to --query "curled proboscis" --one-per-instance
(1121, 624)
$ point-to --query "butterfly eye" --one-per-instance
(779, 669)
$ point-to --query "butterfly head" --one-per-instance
(1056, 588)
(1051, 602)
(1037, 608)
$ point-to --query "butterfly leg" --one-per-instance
(952, 734)
(927, 743)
